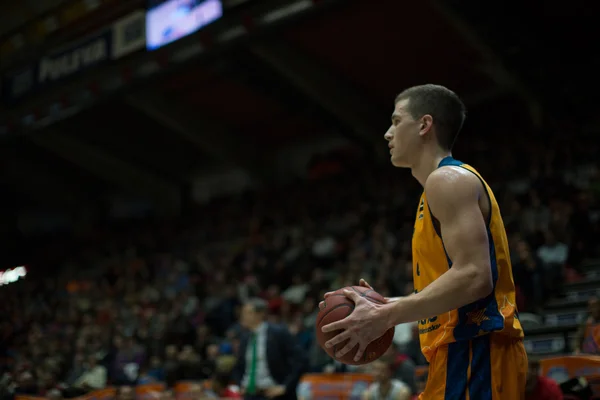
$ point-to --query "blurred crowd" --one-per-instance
(160, 302)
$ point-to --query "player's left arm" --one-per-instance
(453, 195)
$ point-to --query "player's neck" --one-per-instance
(427, 163)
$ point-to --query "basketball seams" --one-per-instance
(374, 300)
(349, 305)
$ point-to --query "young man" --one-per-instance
(464, 296)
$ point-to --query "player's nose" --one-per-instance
(388, 135)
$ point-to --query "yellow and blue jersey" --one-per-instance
(495, 313)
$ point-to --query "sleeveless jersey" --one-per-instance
(494, 313)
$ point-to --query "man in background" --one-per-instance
(270, 361)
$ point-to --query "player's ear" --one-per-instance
(426, 124)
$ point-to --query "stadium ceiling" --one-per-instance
(332, 70)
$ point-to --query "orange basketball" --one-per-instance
(338, 307)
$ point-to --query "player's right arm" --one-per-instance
(453, 195)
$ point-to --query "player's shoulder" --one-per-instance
(452, 182)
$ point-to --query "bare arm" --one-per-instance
(453, 196)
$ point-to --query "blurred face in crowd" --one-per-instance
(381, 371)
(250, 318)
(54, 394)
(404, 136)
(155, 362)
(125, 393)
(196, 391)
(202, 332)
(523, 250)
(212, 351)
(167, 395)
(171, 351)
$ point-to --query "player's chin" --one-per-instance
(398, 162)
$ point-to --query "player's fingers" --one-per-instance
(342, 337)
(328, 294)
(352, 295)
(321, 305)
(359, 353)
(335, 326)
(346, 349)
(364, 283)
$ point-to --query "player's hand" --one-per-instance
(368, 321)
(362, 283)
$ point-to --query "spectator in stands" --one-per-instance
(270, 361)
(552, 252)
(587, 339)
(539, 387)
(402, 366)
(553, 255)
(171, 365)
(221, 389)
(385, 387)
(94, 376)
(166, 297)
(128, 360)
(125, 393)
(413, 348)
(527, 271)
(54, 394)
(191, 366)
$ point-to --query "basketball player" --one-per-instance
(464, 298)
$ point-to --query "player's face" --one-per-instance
(403, 136)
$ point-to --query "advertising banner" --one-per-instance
(123, 37)
(333, 386)
(57, 66)
(75, 59)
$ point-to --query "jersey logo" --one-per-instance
(422, 205)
